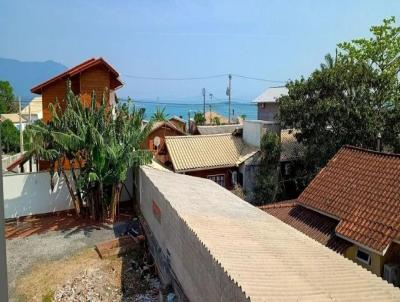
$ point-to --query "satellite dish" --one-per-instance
(157, 141)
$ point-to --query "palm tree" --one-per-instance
(159, 115)
(99, 145)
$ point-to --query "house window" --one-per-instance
(219, 179)
(363, 256)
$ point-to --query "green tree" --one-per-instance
(160, 115)
(350, 99)
(99, 146)
(216, 120)
(9, 136)
(7, 98)
(199, 118)
(267, 182)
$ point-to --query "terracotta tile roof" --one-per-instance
(202, 152)
(291, 148)
(209, 117)
(262, 256)
(218, 129)
(316, 226)
(78, 69)
(361, 188)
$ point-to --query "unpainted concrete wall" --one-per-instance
(189, 261)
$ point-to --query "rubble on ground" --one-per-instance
(95, 285)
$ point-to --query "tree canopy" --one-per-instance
(351, 99)
(7, 99)
(9, 136)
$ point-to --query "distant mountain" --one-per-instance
(25, 75)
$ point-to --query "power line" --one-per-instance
(257, 79)
(174, 79)
(139, 77)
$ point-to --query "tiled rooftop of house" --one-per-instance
(316, 226)
(197, 152)
(264, 257)
(360, 188)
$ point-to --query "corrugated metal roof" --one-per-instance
(200, 152)
(271, 95)
(218, 129)
(267, 259)
(291, 148)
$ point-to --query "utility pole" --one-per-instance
(29, 122)
(211, 96)
(203, 91)
(189, 121)
(21, 137)
(3, 259)
(228, 93)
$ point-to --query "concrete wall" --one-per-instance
(254, 130)
(267, 111)
(30, 193)
(179, 254)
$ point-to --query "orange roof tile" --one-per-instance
(316, 226)
(360, 188)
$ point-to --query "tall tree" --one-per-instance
(267, 181)
(7, 98)
(351, 99)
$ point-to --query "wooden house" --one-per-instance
(92, 75)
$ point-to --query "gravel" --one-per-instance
(22, 253)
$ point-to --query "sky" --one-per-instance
(274, 40)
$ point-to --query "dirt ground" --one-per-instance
(85, 277)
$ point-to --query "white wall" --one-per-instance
(30, 193)
(254, 130)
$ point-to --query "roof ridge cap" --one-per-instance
(350, 147)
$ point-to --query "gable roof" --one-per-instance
(315, 225)
(78, 69)
(203, 152)
(271, 95)
(177, 118)
(291, 149)
(218, 129)
(262, 257)
(160, 124)
(360, 188)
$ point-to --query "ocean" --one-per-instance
(237, 109)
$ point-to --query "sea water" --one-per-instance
(183, 110)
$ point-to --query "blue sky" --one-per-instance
(277, 40)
